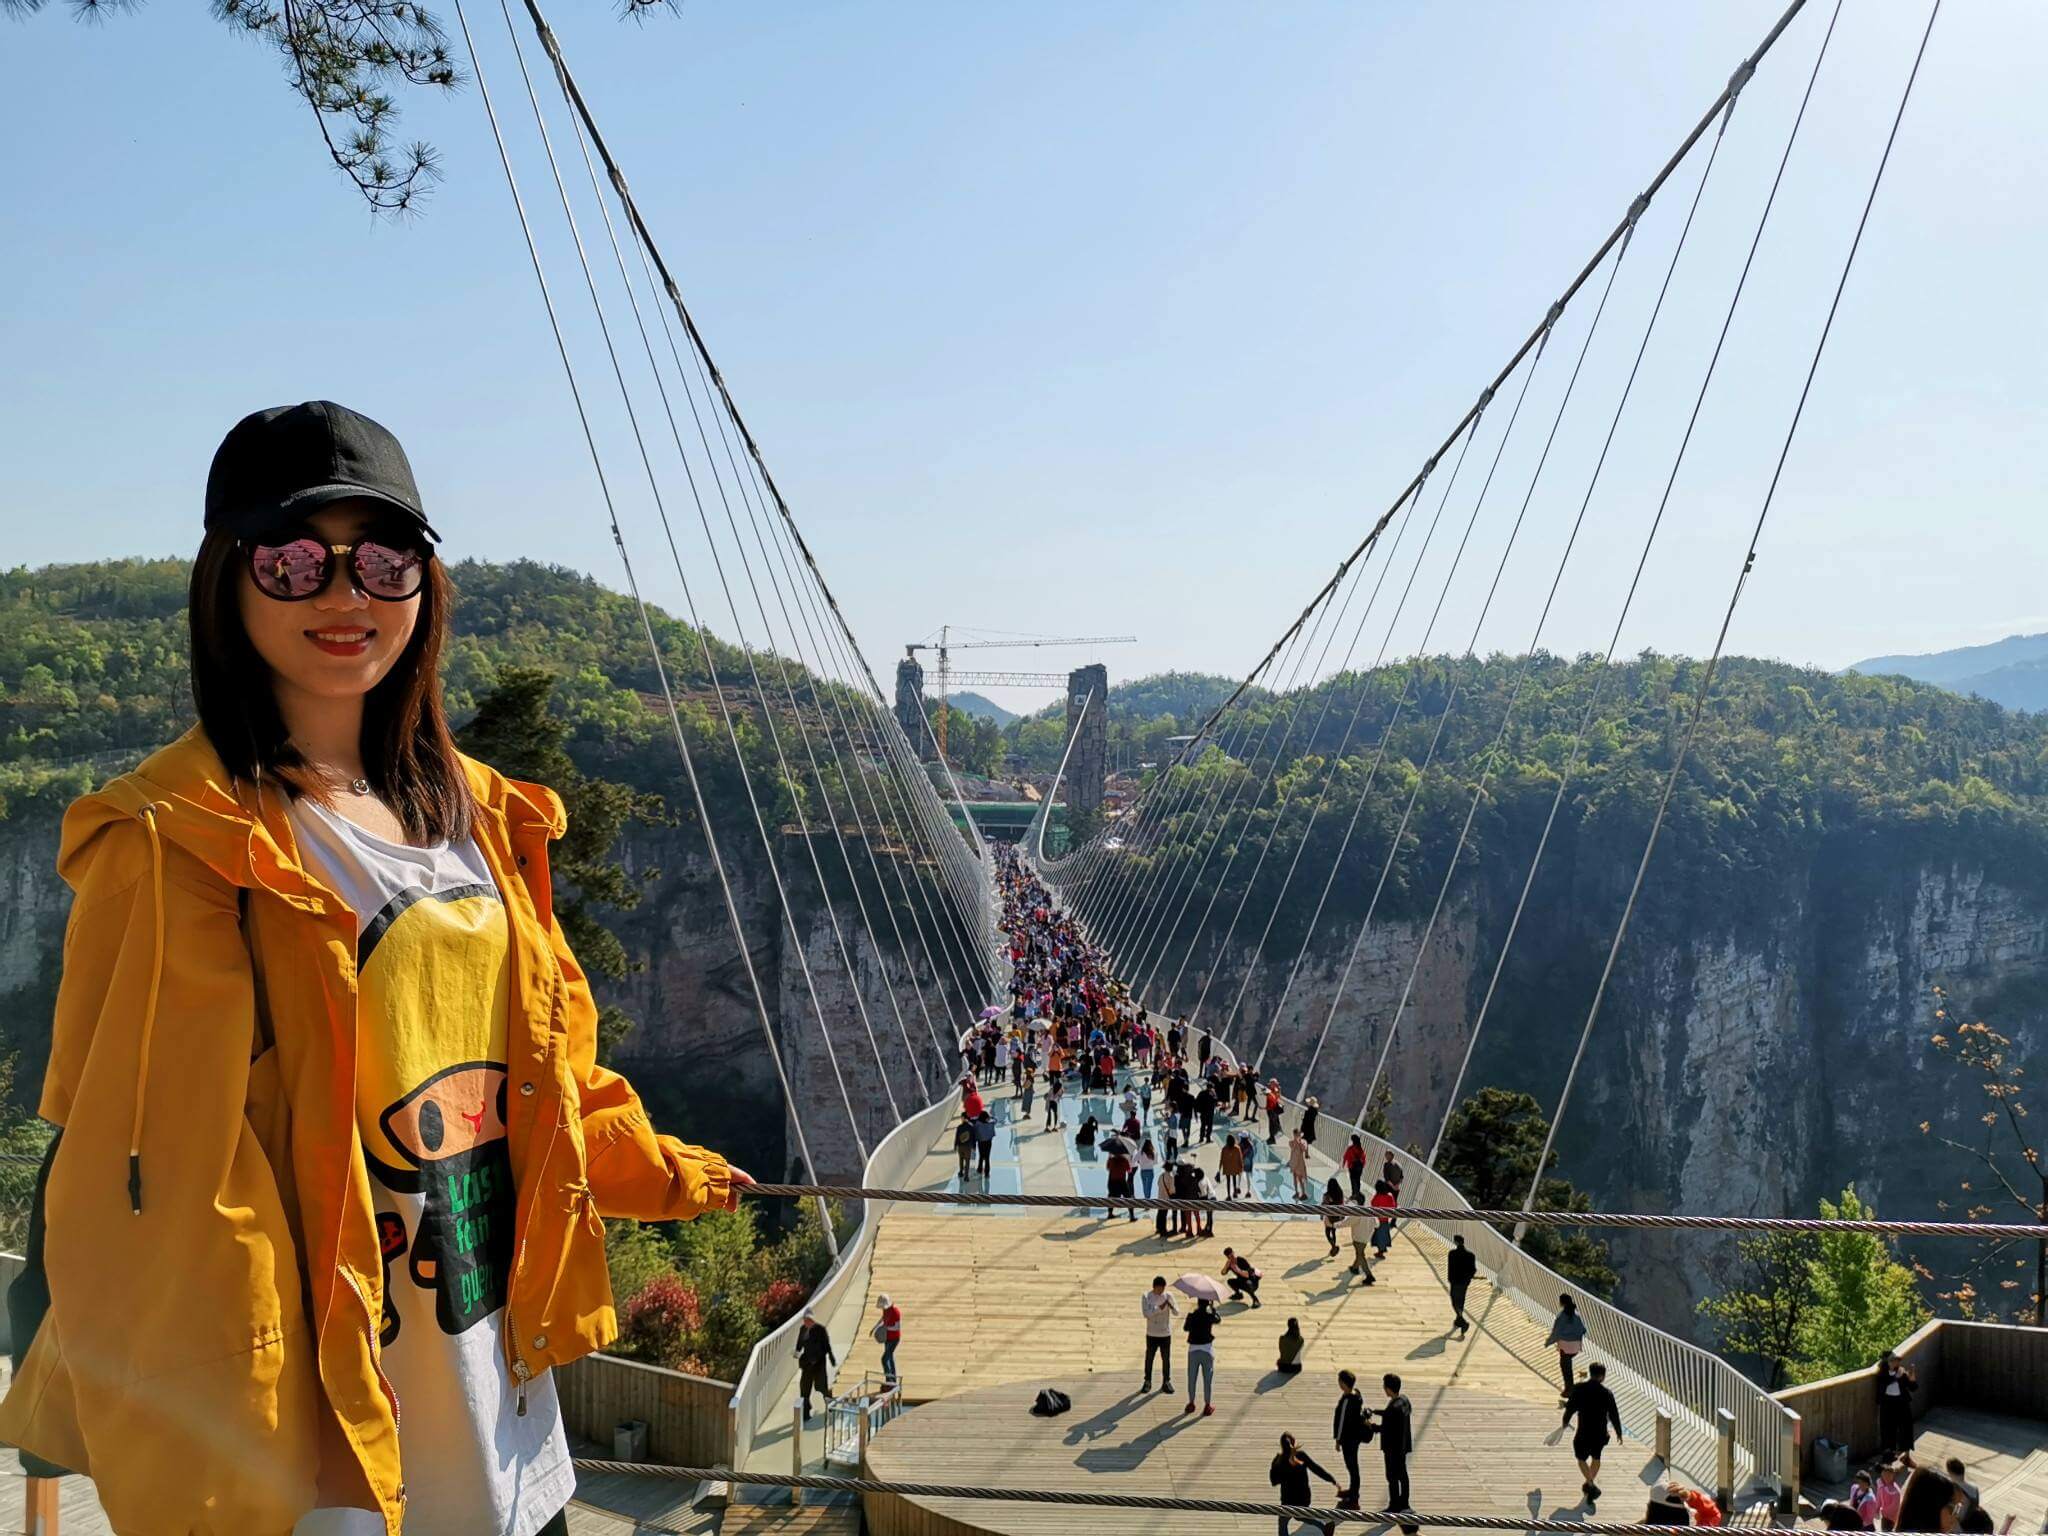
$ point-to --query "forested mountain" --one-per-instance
(2012, 671)
(1837, 845)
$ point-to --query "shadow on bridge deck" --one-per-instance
(998, 1303)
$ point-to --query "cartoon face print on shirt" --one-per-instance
(450, 1130)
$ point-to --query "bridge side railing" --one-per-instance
(762, 1399)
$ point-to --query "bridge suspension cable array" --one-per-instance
(909, 925)
(1199, 833)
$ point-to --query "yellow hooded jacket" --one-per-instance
(209, 1353)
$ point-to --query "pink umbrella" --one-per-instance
(1201, 1287)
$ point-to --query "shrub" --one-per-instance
(780, 1301)
(662, 1321)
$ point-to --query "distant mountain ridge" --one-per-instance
(982, 708)
(2012, 672)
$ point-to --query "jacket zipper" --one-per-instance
(376, 1363)
(523, 1223)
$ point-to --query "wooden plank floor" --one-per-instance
(1477, 1452)
(997, 1305)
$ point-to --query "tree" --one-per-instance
(1864, 1301)
(1767, 1314)
(345, 58)
(516, 733)
(1818, 1304)
(2009, 1154)
(1489, 1154)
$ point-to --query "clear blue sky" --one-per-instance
(1086, 318)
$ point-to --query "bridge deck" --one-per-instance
(1011, 1299)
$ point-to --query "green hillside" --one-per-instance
(93, 673)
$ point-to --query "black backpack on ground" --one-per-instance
(1051, 1402)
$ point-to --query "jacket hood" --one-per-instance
(238, 828)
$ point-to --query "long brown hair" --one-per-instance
(409, 756)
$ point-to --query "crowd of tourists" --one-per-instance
(1166, 1112)
(1154, 1101)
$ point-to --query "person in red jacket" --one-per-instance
(1354, 1168)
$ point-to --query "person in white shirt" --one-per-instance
(1159, 1311)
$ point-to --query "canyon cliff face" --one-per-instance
(1744, 1062)
(1750, 1057)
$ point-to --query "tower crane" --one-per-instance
(947, 677)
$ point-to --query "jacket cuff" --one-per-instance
(710, 1177)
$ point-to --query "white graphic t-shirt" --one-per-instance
(431, 1005)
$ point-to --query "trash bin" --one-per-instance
(1830, 1461)
(629, 1440)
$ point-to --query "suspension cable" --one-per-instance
(770, 491)
(1410, 676)
(647, 625)
(839, 939)
(690, 602)
(1223, 796)
(1699, 700)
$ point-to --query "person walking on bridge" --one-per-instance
(1230, 1167)
(1354, 1169)
(1273, 1112)
(814, 1359)
(1594, 1407)
(1297, 1163)
(1159, 1309)
(888, 1332)
(1459, 1268)
(1290, 1473)
(1568, 1334)
(984, 1143)
(1360, 1228)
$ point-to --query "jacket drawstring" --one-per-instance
(156, 976)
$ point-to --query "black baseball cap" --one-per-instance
(290, 460)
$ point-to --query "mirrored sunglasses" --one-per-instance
(297, 569)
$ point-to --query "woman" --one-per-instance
(338, 1063)
(1148, 1166)
(1297, 1163)
(1927, 1503)
(1292, 1343)
(1290, 1474)
(1200, 1327)
(1894, 1384)
(1230, 1165)
(1311, 1111)
(1568, 1334)
(1354, 1168)
(1333, 1195)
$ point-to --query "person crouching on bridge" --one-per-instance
(221, 1338)
(1243, 1278)
(1290, 1473)
(1593, 1405)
